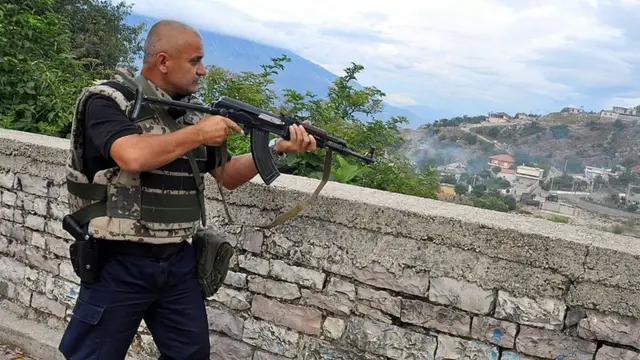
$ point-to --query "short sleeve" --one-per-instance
(105, 123)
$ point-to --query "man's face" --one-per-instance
(185, 68)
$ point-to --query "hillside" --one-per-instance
(237, 55)
(559, 140)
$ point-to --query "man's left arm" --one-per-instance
(239, 169)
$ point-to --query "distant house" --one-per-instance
(636, 169)
(529, 172)
(620, 113)
(455, 169)
(504, 161)
(591, 172)
(625, 111)
(499, 117)
(572, 110)
(608, 115)
(524, 116)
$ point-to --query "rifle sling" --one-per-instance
(285, 216)
(294, 211)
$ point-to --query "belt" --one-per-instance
(140, 249)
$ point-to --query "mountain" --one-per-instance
(238, 54)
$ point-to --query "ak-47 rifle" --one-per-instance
(258, 124)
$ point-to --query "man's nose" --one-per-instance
(202, 70)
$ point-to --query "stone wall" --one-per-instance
(362, 274)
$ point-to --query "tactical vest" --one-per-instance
(157, 206)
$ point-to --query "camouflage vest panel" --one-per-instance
(158, 206)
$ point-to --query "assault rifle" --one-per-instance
(258, 124)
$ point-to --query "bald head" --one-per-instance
(173, 55)
(166, 36)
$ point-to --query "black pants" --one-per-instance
(162, 291)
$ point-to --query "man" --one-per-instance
(132, 187)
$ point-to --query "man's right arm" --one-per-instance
(116, 137)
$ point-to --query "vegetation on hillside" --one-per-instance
(50, 49)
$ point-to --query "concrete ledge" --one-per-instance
(34, 338)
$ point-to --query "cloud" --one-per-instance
(470, 56)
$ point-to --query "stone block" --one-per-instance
(43, 303)
(371, 313)
(543, 312)
(409, 281)
(9, 198)
(273, 288)
(435, 317)
(462, 295)
(315, 349)
(270, 337)
(294, 274)
(40, 259)
(337, 304)
(224, 348)
(588, 295)
(62, 291)
(611, 328)
(225, 321)
(33, 184)
(295, 317)
(233, 299)
(610, 353)
(54, 227)
(336, 286)
(333, 327)
(252, 240)
(455, 348)
(236, 279)
(36, 279)
(550, 344)
(622, 273)
(510, 355)
(35, 222)
(379, 299)
(261, 355)
(388, 340)
(497, 332)
(57, 210)
(12, 270)
(7, 178)
(254, 264)
(33, 204)
(56, 245)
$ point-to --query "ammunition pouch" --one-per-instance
(84, 254)
(213, 253)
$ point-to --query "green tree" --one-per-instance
(39, 75)
(49, 50)
(99, 36)
(461, 189)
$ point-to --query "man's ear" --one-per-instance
(163, 60)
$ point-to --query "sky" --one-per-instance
(464, 56)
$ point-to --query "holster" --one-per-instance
(84, 252)
(213, 253)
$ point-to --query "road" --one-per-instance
(598, 209)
